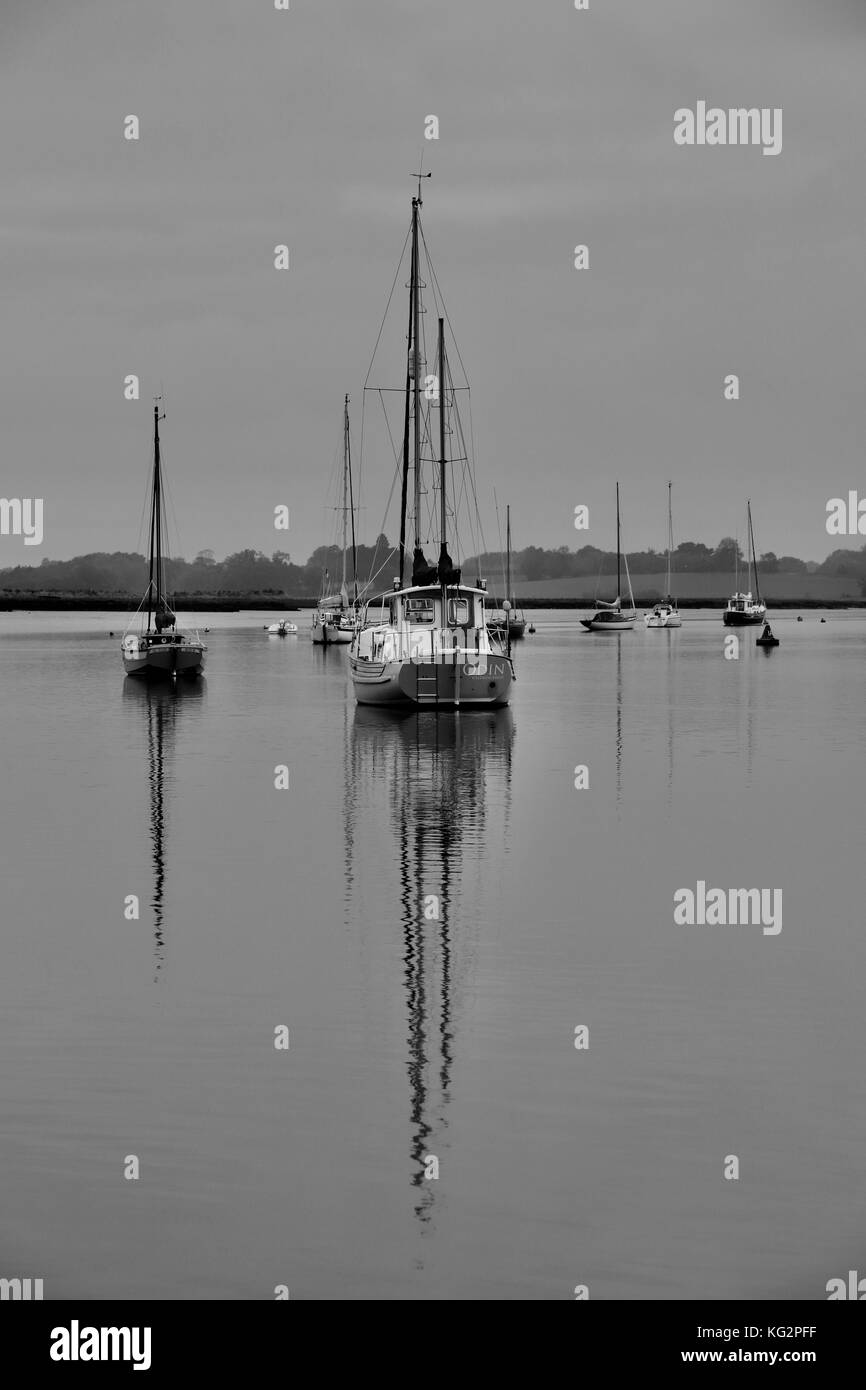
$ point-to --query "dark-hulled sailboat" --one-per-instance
(742, 609)
(610, 617)
(511, 622)
(158, 649)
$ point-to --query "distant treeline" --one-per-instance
(251, 572)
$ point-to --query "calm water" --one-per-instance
(412, 1037)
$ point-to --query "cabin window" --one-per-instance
(458, 612)
(419, 610)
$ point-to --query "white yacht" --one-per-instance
(666, 614)
(426, 642)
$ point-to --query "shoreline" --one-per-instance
(48, 603)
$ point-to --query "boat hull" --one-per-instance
(735, 618)
(433, 685)
(607, 625)
(663, 617)
(327, 635)
(165, 662)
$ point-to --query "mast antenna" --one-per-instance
(419, 177)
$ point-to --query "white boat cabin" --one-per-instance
(743, 603)
(424, 623)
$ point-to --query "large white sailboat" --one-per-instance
(610, 617)
(742, 609)
(334, 620)
(158, 648)
(666, 614)
(426, 643)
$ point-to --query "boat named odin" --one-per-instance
(427, 643)
(158, 649)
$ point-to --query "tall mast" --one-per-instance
(670, 535)
(754, 553)
(343, 594)
(155, 548)
(617, 545)
(405, 482)
(352, 510)
(416, 368)
(443, 539)
(508, 553)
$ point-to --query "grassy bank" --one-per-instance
(122, 603)
(206, 603)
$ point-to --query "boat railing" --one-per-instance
(432, 645)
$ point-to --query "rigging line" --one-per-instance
(387, 307)
(373, 577)
(361, 450)
(397, 475)
(437, 289)
(370, 367)
(499, 534)
(144, 510)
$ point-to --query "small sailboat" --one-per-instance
(426, 644)
(666, 614)
(335, 618)
(610, 617)
(510, 622)
(742, 609)
(767, 637)
(516, 618)
(159, 649)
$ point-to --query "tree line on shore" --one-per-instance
(251, 571)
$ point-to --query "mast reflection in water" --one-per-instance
(159, 706)
(446, 780)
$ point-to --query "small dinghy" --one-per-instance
(282, 629)
(766, 638)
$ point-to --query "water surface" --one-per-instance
(446, 1036)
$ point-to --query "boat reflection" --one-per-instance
(446, 781)
(159, 706)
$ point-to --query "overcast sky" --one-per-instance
(556, 128)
